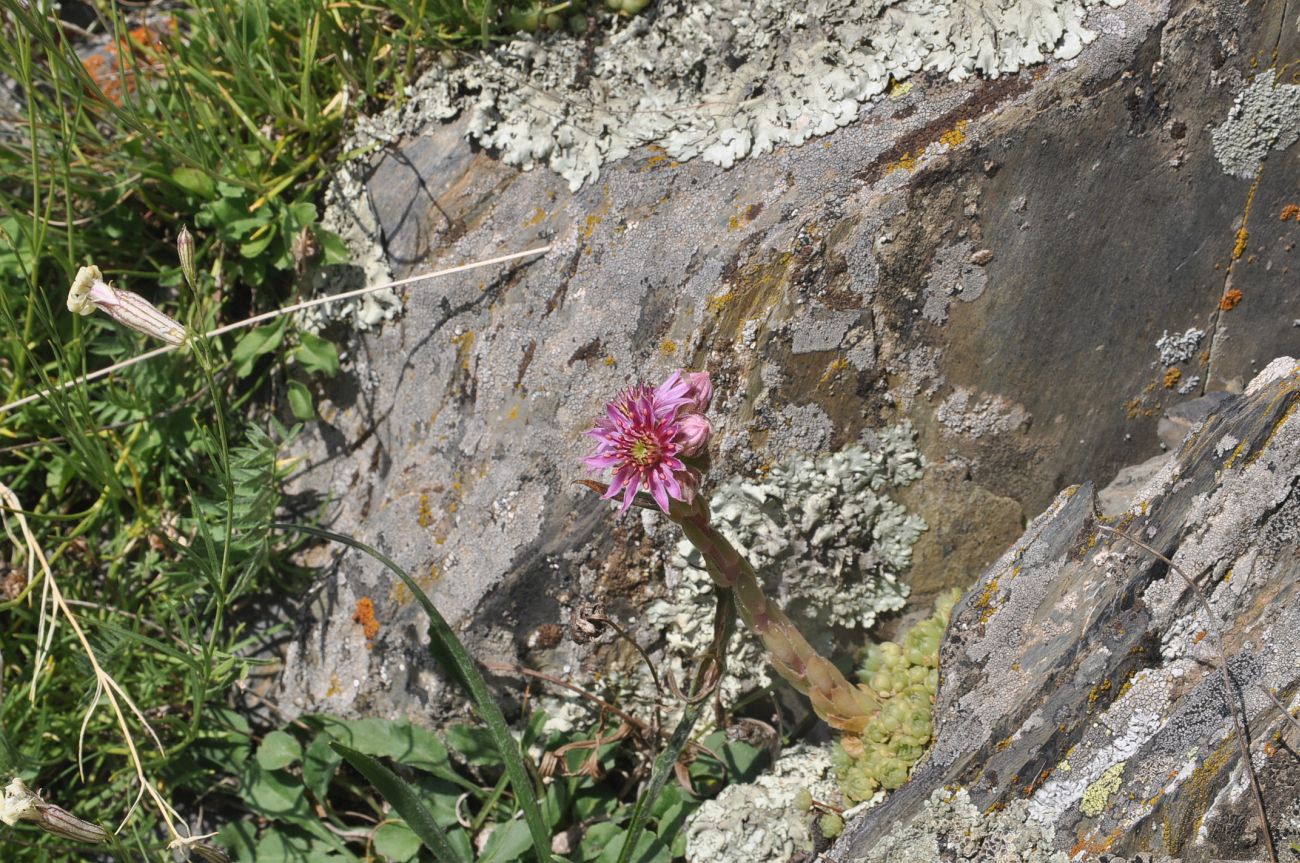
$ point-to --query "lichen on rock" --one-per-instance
(824, 537)
(950, 827)
(1266, 116)
(725, 79)
(765, 821)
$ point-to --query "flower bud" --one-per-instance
(700, 392)
(185, 249)
(693, 435)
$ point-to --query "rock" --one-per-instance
(1079, 676)
(811, 282)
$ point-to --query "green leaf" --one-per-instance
(475, 744)
(316, 355)
(319, 764)
(336, 251)
(255, 343)
(507, 843)
(397, 842)
(403, 741)
(648, 850)
(445, 645)
(254, 248)
(275, 794)
(404, 799)
(195, 182)
(279, 749)
(300, 401)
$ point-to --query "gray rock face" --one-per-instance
(1079, 676)
(1093, 215)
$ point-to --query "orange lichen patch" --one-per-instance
(1230, 299)
(112, 74)
(365, 615)
(1095, 844)
(424, 515)
(1198, 637)
(1240, 245)
(906, 162)
(668, 347)
(1172, 377)
(956, 136)
(1291, 211)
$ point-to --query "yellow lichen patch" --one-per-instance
(836, 366)
(1194, 798)
(668, 347)
(364, 614)
(1239, 245)
(1099, 792)
(1098, 691)
(538, 215)
(717, 303)
(464, 344)
(1172, 376)
(513, 413)
(954, 137)
(592, 222)
(906, 162)
(898, 89)
(335, 688)
(424, 515)
(609, 361)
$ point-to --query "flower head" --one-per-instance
(644, 437)
(89, 292)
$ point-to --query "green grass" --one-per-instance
(151, 495)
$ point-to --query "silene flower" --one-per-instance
(20, 803)
(645, 434)
(89, 292)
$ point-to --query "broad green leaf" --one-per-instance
(255, 343)
(507, 843)
(319, 764)
(648, 850)
(397, 842)
(316, 355)
(195, 182)
(448, 649)
(279, 749)
(300, 401)
(274, 793)
(405, 801)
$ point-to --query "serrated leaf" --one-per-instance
(316, 355)
(279, 749)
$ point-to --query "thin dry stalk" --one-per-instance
(105, 685)
(1239, 724)
(267, 316)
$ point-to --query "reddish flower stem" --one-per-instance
(843, 705)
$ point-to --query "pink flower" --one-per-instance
(644, 436)
(701, 391)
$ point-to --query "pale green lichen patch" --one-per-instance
(766, 821)
(1099, 792)
(824, 536)
(725, 79)
(1266, 116)
(950, 827)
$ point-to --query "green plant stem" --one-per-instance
(448, 649)
(843, 705)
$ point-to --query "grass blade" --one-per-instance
(447, 647)
(402, 797)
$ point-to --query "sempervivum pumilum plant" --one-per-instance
(655, 440)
